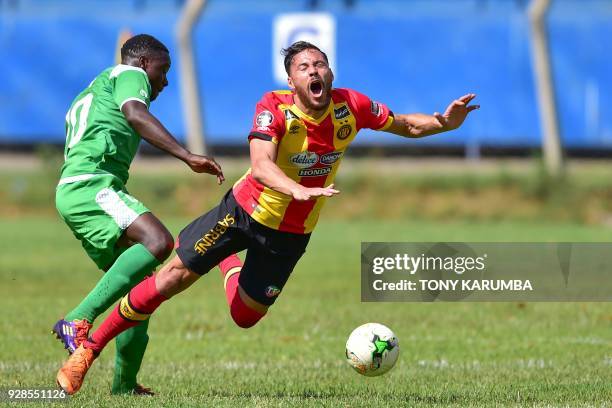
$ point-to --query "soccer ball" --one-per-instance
(372, 349)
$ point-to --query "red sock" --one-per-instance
(232, 264)
(142, 300)
(243, 315)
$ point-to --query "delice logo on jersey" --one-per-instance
(304, 160)
(263, 120)
(341, 112)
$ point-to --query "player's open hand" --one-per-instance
(203, 164)
(456, 112)
(310, 193)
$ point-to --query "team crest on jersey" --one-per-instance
(304, 160)
(264, 119)
(341, 112)
(344, 132)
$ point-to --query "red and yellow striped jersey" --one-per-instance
(309, 152)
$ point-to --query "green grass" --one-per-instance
(493, 192)
(468, 354)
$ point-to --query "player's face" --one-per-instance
(156, 68)
(311, 79)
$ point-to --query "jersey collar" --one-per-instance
(294, 108)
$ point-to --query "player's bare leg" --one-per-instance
(174, 277)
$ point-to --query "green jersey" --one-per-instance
(99, 139)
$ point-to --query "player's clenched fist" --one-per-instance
(203, 164)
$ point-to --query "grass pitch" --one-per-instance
(469, 354)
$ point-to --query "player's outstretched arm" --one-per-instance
(151, 129)
(417, 125)
(266, 172)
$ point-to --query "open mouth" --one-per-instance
(316, 87)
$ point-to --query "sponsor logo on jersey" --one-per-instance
(143, 93)
(304, 160)
(375, 108)
(321, 171)
(294, 129)
(330, 158)
(272, 291)
(264, 119)
(208, 240)
(344, 132)
(290, 115)
(341, 112)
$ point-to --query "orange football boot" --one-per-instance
(71, 376)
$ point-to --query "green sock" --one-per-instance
(129, 269)
(131, 346)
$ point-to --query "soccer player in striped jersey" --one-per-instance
(104, 126)
(297, 142)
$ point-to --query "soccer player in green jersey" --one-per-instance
(104, 126)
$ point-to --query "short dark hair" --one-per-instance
(295, 49)
(141, 45)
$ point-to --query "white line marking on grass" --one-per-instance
(249, 365)
(588, 340)
(444, 364)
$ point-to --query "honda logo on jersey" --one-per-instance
(321, 171)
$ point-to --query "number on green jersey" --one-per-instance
(76, 120)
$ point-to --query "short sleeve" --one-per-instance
(268, 122)
(132, 85)
(369, 113)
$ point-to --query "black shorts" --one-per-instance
(228, 229)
